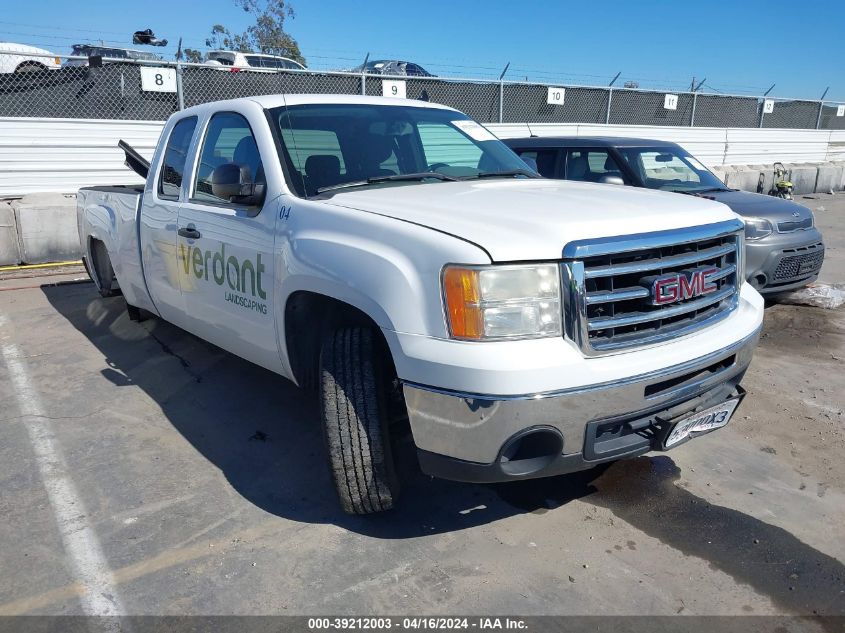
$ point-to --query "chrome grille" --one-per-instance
(795, 225)
(608, 285)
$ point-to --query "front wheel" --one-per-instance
(355, 423)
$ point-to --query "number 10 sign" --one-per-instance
(556, 96)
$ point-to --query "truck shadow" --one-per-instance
(258, 429)
(262, 433)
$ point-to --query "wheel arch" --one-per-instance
(307, 316)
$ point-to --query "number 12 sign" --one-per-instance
(158, 79)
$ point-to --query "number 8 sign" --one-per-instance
(158, 79)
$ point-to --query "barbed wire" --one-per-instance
(333, 59)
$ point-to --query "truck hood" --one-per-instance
(522, 219)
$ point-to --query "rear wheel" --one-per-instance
(355, 421)
(101, 270)
(29, 67)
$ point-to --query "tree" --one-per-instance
(267, 35)
(192, 55)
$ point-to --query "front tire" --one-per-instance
(355, 423)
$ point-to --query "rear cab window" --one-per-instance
(175, 157)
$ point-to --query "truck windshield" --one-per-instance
(668, 169)
(341, 146)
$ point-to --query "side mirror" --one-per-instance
(611, 180)
(233, 182)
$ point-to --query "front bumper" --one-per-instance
(784, 261)
(580, 427)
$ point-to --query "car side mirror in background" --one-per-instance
(530, 162)
(234, 183)
(611, 180)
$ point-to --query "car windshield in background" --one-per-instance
(342, 146)
(669, 170)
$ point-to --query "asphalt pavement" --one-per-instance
(144, 471)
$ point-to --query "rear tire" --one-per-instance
(355, 423)
(103, 273)
(29, 67)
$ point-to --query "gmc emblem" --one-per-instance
(674, 287)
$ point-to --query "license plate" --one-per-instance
(702, 422)
(806, 267)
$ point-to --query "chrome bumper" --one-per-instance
(475, 429)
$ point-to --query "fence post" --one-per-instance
(363, 84)
(762, 111)
(609, 101)
(692, 114)
(180, 94)
(501, 100)
(819, 118)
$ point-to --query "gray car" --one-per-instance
(784, 249)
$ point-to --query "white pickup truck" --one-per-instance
(399, 259)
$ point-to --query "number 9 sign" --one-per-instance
(393, 88)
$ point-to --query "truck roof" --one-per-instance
(278, 100)
(585, 141)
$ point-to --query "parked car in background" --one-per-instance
(257, 62)
(21, 58)
(392, 67)
(784, 250)
(110, 55)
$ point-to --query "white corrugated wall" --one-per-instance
(64, 154)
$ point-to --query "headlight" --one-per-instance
(755, 228)
(502, 302)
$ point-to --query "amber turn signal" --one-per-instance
(460, 289)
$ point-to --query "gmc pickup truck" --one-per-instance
(398, 259)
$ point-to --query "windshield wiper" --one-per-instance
(695, 192)
(502, 174)
(420, 175)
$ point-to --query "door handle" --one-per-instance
(190, 233)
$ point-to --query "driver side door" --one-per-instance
(225, 248)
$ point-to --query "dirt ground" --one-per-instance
(198, 483)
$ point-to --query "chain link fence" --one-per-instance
(153, 91)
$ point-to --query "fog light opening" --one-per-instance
(530, 451)
(759, 281)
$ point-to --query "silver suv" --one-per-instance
(783, 248)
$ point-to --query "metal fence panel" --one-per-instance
(110, 92)
(726, 111)
(528, 103)
(829, 119)
(635, 107)
(203, 84)
(792, 114)
(114, 91)
(478, 100)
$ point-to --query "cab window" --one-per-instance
(545, 159)
(175, 155)
(228, 140)
(592, 165)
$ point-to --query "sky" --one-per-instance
(739, 46)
